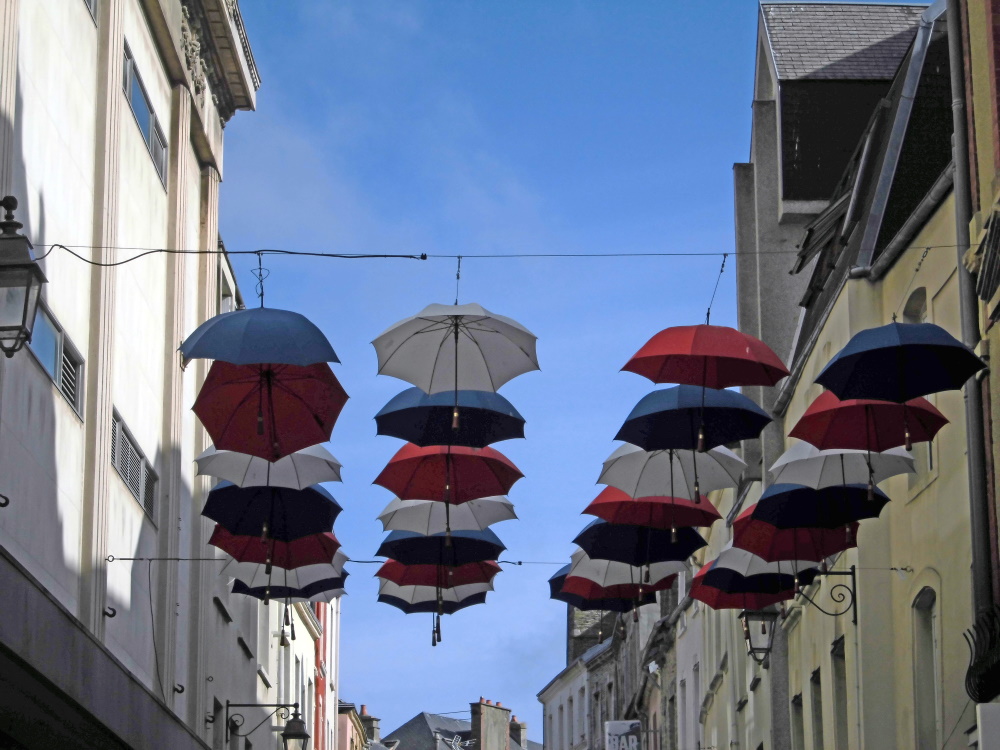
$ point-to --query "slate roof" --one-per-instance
(846, 41)
(418, 733)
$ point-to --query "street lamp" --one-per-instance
(294, 735)
(21, 281)
(758, 632)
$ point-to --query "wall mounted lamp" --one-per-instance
(293, 737)
(21, 280)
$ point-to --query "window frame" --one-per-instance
(92, 7)
(131, 76)
(121, 431)
(64, 347)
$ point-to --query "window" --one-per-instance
(839, 692)
(682, 716)
(926, 672)
(132, 466)
(798, 724)
(816, 699)
(145, 117)
(58, 357)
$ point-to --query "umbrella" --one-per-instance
(271, 512)
(422, 349)
(307, 550)
(788, 506)
(463, 547)
(637, 545)
(269, 411)
(672, 473)
(707, 355)
(255, 574)
(593, 605)
(297, 470)
(898, 362)
(794, 543)
(321, 591)
(749, 565)
(611, 573)
(865, 424)
(431, 595)
(657, 511)
(588, 589)
(245, 337)
(778, 589)
(691, 417)
(445, 607)
(424, 419)
(451, 474)
(806, 464)
(438, 575)
(428, 516)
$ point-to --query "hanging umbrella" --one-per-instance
(463, 547)
(245, 337)
(657, 511)
(806, 464)
(899, 362)
(865, 424)
(321, 591)
(490, 349)
(298, 470)
(255, 574)
(448, 474)
(749, 565)
(269, 411)
(593, 605)
(426, 598)
(779, 589)
(637, 545)
(588, 589)
(272, 512)
(445, 608)
(611, 573)
(428, 516)
(707, 355)
(793, 543)
(312, 549)
(438, 575)
(787, 506)
(691, 417)
(672, 473)
(424, 419)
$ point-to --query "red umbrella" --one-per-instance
(796, 543)
(588, 589)
(707, 355)
(658, 512)
(269, 411)
(718, 599)
(866, 424)
(441, 576)
(308, 550)
(450, 474)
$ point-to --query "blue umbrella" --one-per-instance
(689, 417)
(787, 506)
(637, 545)
(432, 605)
(280, 513)
(259, 335)
(423, 419)
(331, 586)
(460, 548)
(898, 362)
(592, 605)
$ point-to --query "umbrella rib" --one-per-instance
(430, 328)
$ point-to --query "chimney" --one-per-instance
(371, 725)
(490, 726)
(519, 732)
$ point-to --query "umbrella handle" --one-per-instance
(437, 630)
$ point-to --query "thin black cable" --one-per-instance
(458, 280)
(957, 722)
(152, 625)
(708, 314)
(913, 278)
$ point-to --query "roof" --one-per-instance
(847, 41)
(419, 733)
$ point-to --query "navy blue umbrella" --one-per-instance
(637, 545)
(592, 605)
(461, 548)
(423, 419)
(898, 362)
(786, 506)
(734, 582)
(280, 513)
(433, 606)
(259, 335)
(689, 417)
(324, 590)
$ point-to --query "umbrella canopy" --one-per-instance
(865, 424)
(636, 545)
(681, 416)
(429, 516)
(312, 549)
(423, 419)
(444, 608)
(432, 594)
(298, 470)
(794, 543)
(787, 506)
(776, 589)
(748, 564)
(657, 511)
(593, 605)
(461, 548)
(611, 573)
(588, 589)
(456, 347)
(452, 474)
(261, 334)
(269, 411)
(806, 464)
(707, 355)
(898, 362)
(321, 591)
(255, 574)
(441, 576)
(671, 473)
(274, 512)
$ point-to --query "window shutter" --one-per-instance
(68, 378)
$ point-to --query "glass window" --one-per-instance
(45, 342)
(145, 117)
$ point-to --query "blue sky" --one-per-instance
(490, 127)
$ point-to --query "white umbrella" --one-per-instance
(456, 347)
(748, 564)
(674, 473)
(297, 470)
(255, 574)
(610, 573)
(807, 465)
(429, 516)
(419, 594)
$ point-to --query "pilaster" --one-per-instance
(8, 92)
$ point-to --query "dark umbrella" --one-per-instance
(787, 506)
(432, 605)
(794, 543)
(588, 589)
(321, 591)
(271, 512)
(898, 362)
(593, 605)
(425, 419)
(780, 590)
(462, 548)
(312, 549)
(636, 545)
(441, 576)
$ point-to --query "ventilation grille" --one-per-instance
(68, 377)
(132, 466)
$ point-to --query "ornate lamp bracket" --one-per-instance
(843, 594)
(235, 720)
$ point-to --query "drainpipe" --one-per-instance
(982, 584)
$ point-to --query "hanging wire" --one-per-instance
(260, 273)
(913, 278)
(152, 625)
(458, 279)
(708, 313)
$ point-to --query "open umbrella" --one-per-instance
(312, 549)
(321, 591)
(424, 419)
(707, 355)
(657, 511)
(612, 573)
(271, 512)
(445, 607)
(787, 506)
(255, 574)
(463, 547)
(637, 545)
(749, 565)
(451, 474)
(426, 598)
(298, 470)
(793, 543)
(257, 335)
(593, 605)
(899, 362)
(588, 589)
(804, 463)
(671, 473)
(267, 410)
(730, 592)
(441, 576)
(428, 516)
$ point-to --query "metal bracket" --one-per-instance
(4, 500)
(842, 593)
(235, 720)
